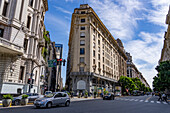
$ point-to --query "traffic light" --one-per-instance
(58, 61)
(29, 81)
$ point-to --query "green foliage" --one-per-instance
(86, 92)
(47, 39)
(162, 80)
(24, 96)
(8, 96)
(132, 84)
(105, 92)
(68, 93)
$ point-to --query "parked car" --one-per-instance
(109, 96)
(53, 99)
(47, 92)
(31, 98)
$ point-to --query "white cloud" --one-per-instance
(63, 10)
(157, 15)
(146, 53)
(119, 16)
(69, 0)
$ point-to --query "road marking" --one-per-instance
(148, 98)
(146, 101)
(141, 101)
(136, 99)
(131, 99)
(165, 103)
(158, 102)
(152, 101)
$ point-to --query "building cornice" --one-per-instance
(45, 4)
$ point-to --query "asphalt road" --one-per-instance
(137, 104)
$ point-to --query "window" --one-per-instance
(93, 61)
(94, 37)
(82, 28)
(98, 49)
(5, 9)
(103, 59)
(25, 44)
(99, 64)
(81, 69)
(58, 95)
(82, 35)
(94, 30)
(82, 42)
(81, 59)
(31, 3)
(98, 42)
(99, 56)
(94, 45)
(1, 32)
(82, 51)
(83, 12)
(28, 22)
(98, 35)
(83, 20)
(93, 53)
(22, 5)
(21, 74)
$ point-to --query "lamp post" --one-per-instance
(30, 85)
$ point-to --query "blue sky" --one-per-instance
(140, 24)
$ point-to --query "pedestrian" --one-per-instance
(164, 96)
(152, 93)
(160, 97)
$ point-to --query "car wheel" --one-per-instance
(67, 103)
(37, 107)
(103, 98)
(17, 102)
(49, 105)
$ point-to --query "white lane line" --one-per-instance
(158, 102)
(126, 99)
(141, 101)
(131, 99)
(152, 101)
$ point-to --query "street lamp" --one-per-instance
(30, 86)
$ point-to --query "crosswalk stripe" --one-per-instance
(141, 101)
(164, 103)
(158, 102)
(152, 101)
(146, 101)
(136, 99)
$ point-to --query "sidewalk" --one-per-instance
(75, 99)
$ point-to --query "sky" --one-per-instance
(140, 24)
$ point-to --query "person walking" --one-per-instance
(160, 97)
(164, 96)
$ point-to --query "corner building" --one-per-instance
(94, 57)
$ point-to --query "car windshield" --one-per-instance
(108, 93)
(49, 95)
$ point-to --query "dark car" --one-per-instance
(31, 98)
(109, 96)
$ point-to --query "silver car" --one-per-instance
(53, 99)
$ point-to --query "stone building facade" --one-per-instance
(95, 61)
(21, 38)
(165, 55)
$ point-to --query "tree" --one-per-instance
(162, 80)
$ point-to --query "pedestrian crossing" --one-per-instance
(140, 100)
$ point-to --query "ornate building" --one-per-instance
(95, 60)
(166, 48)
(21, 42)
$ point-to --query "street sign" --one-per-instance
(52, 63)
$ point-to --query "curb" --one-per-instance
(31, 104)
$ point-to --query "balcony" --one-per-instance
(41, 42)
(10, 48)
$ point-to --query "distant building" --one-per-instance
(132, 70)
(95, 60)
(165, 55)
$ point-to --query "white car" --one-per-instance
(53, 99)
